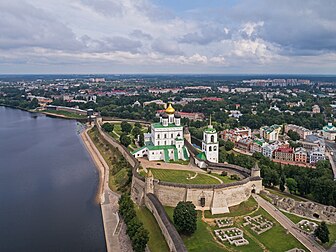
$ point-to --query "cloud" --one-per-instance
(251, 35)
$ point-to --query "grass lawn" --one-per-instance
(201, 240)
(181, 162)
(276, 239)
(178, 176)
(66, 114)
(225, 179)
(157, 242)
(117, 128)
(243, 208)
(332, 228)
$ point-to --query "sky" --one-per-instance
(168, 36)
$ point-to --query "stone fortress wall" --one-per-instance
(217, 198)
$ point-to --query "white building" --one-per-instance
(329, 132)
(268, 149)
(316, 155)
(165, 142)
(210, 144)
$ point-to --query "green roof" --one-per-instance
(210, 130)
(201, 156)
(170, 125)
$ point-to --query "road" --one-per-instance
(331, 147)
(288, 225)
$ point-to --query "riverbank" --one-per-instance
(115, 240)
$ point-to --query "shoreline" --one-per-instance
(105, 196)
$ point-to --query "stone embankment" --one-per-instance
(107, 198)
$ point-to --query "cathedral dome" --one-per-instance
(170, 109)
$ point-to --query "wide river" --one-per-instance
(47, 186)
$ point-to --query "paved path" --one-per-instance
(108, 198)
(288, 225)
(331, 147)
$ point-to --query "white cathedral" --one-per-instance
(165, 142)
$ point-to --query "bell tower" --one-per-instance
(210, 144)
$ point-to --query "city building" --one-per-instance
(270, 133)
(268, 149)
(329, 132)
(165, 142)
(300, 155)
(316, 109)
(244, 144)
(235, 134)
(257, 145)
(303, 132)
(284, 154)
(316, 155)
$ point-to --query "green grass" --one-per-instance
(66, 114)
(276, 239)
(181, 162)
(331, 227)
(225, 179)
(243, 208)
(157, 242)
(201, 240)
(178, 176)
(117, 128)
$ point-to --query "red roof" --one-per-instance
(285, 150)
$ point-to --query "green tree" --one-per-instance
(33, 104)
(291, 185)
(141, 140)
(108, 127)
(185, 217)
(136, 131)
(282, 182)
(140, 239)
(228, 145)
(293, 135)
(322, 232)
(138, 125)
(125, 140)
(126, 127)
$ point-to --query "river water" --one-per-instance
(47, 186)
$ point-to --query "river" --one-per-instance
(47, 186)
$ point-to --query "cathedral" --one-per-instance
(165, 141)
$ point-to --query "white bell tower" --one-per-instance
(210, 143)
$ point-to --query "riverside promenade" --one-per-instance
(107, 198)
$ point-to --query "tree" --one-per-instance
(291, 185)
(138, 125)
(108, 127)
(185, 217)
(322, 232)
(141, 140)
(282, 182)
(140, 239)
(293, 135)
(125, 140)
(228, 145)
(126, 127)
(33, 104)
(136, 131)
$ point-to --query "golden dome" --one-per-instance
(170, 109)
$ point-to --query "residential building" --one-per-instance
(244, 144)
(268, 149)
(300, 155)
(316, 109)
(303, 132)
(257, 145)
(235, 134)
(270, 133)
(316, 155)
(284, 154)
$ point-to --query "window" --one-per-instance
(172, 135)
(212, 138)
(158, 136)
(165, 135)
(210, 148)
(215, 148)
